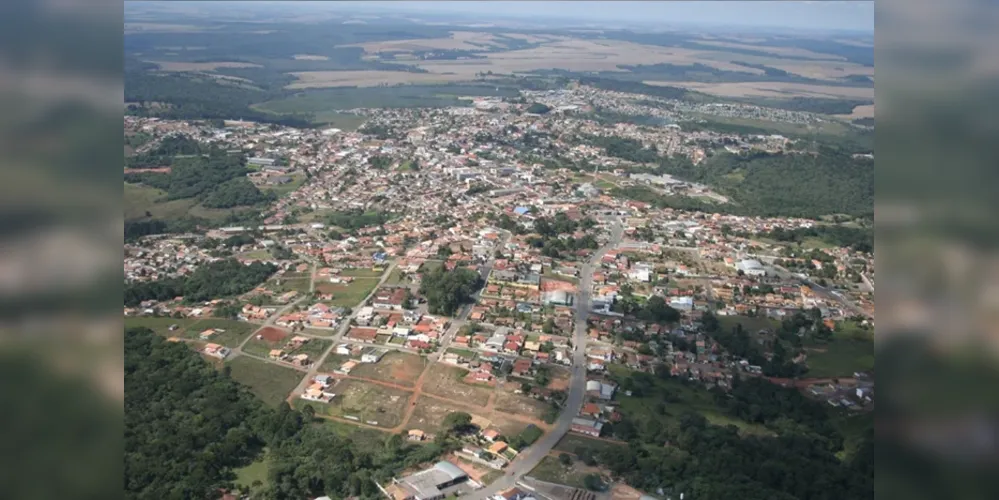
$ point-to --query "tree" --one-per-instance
(593, 482)
(457, 421)
(309, 412)
(565, 459)
(549, 326)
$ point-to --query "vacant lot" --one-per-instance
(573, 443)
(161, 325)
(270, 382)
(508, 402)
(446, 381)
(200, 66)
(234, 331)
(774, 89)
(368, 403)
(349, 295)
(395, 367)
(552, 471)
(272, 338)
(429, 415)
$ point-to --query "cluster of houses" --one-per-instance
(288, 354)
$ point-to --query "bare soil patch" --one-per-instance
(395, 367)
(272, 334)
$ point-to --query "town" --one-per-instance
(499, 277)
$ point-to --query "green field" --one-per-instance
(256, 471)
(362, 435)
(688, 398)
(840, 358)
(750, 324)
(270, 382)
(349, 295)
(314, 348)
(235, 331)
(359, 272)
(143, 201)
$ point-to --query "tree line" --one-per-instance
(223, 278)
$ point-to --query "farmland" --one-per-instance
(270, 382)
(446, 381)
(395, 367)
(368, 403)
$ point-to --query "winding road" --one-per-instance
(532, 456)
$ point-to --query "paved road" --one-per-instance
(340, 331)
(459, 321)
(532, 456)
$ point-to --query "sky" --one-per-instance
(795, 15)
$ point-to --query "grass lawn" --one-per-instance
(259, 254)
(552, 471)
(234, 334)
(349, 295)
(750, 324)
(257, 471)
(361, 435)
(465, 353)
(314, 348)
(840, 358)
(161, 325)
(270, 382)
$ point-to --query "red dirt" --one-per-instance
(272, 334)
